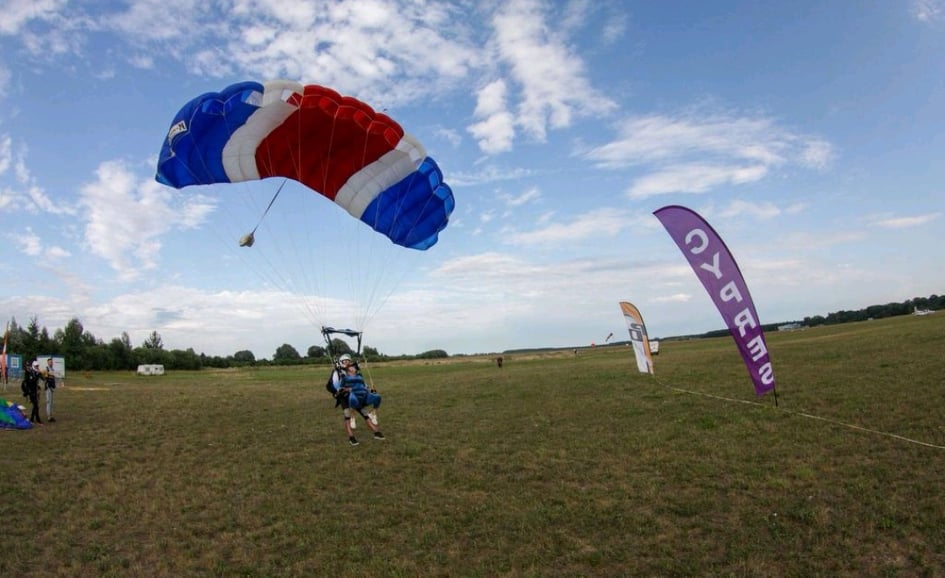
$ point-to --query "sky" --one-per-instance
(809, 134)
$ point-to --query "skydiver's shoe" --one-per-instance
(353, 440)
(379, 436)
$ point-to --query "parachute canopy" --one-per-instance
(12, 416)
(336, 145)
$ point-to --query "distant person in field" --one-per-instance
(351, 392)
(49, 374)
(498, 361)
(31, 389)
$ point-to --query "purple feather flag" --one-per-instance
(713, 264)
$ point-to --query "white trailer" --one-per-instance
(151, 369)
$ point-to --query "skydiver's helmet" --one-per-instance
(345, 358)
(36, 365)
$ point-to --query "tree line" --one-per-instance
(83, 351)
(932, 303)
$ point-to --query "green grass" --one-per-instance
(555, 465)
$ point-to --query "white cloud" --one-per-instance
(553, 80)
(513, 201)
(674, 298)
(6, 155)
(907, 222)
(4, 80)
(600, 222)
(738, 208)
(495, 132)
(816, 153)
(449, 135)
(47, 204)
(27, 194)
(17, 13)
(138, 22)
(124, 218)
(694, 155)
(820, 241)
(693, 178)
(614, 28)
(29, 242)
(57, 252)
(928, 10)
(488, 174)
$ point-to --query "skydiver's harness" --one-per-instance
(347, 384)
(356, 388)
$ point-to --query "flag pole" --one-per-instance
(4, 376)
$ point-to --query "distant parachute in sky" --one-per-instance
(609, 335)
(336, 145)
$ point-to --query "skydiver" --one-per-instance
(351, 392)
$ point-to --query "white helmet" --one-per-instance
(344, 357)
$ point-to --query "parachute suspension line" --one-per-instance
(364, 283)
(395, 266)
(263, 261)
(298, 280)
(250, 238)
(367, 370)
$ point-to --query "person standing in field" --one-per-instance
(31, 389)
(49, 374)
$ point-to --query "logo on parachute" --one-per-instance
(176, 129)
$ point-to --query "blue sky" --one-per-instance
(809, 134)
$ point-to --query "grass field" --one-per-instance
(555, 465)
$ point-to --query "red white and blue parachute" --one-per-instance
(336, 145)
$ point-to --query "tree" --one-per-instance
(120, 351)
(434, 354)
(45, 344)
(244, 356)
(286, 355)
(31, 340)
(187, 359)
(371, 353)
(340, 346)
(151, 355)
(15, 341)
(316, 351)
(70, 341)
(153, 341)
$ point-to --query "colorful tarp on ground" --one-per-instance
(713, 263)
(12, 417)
